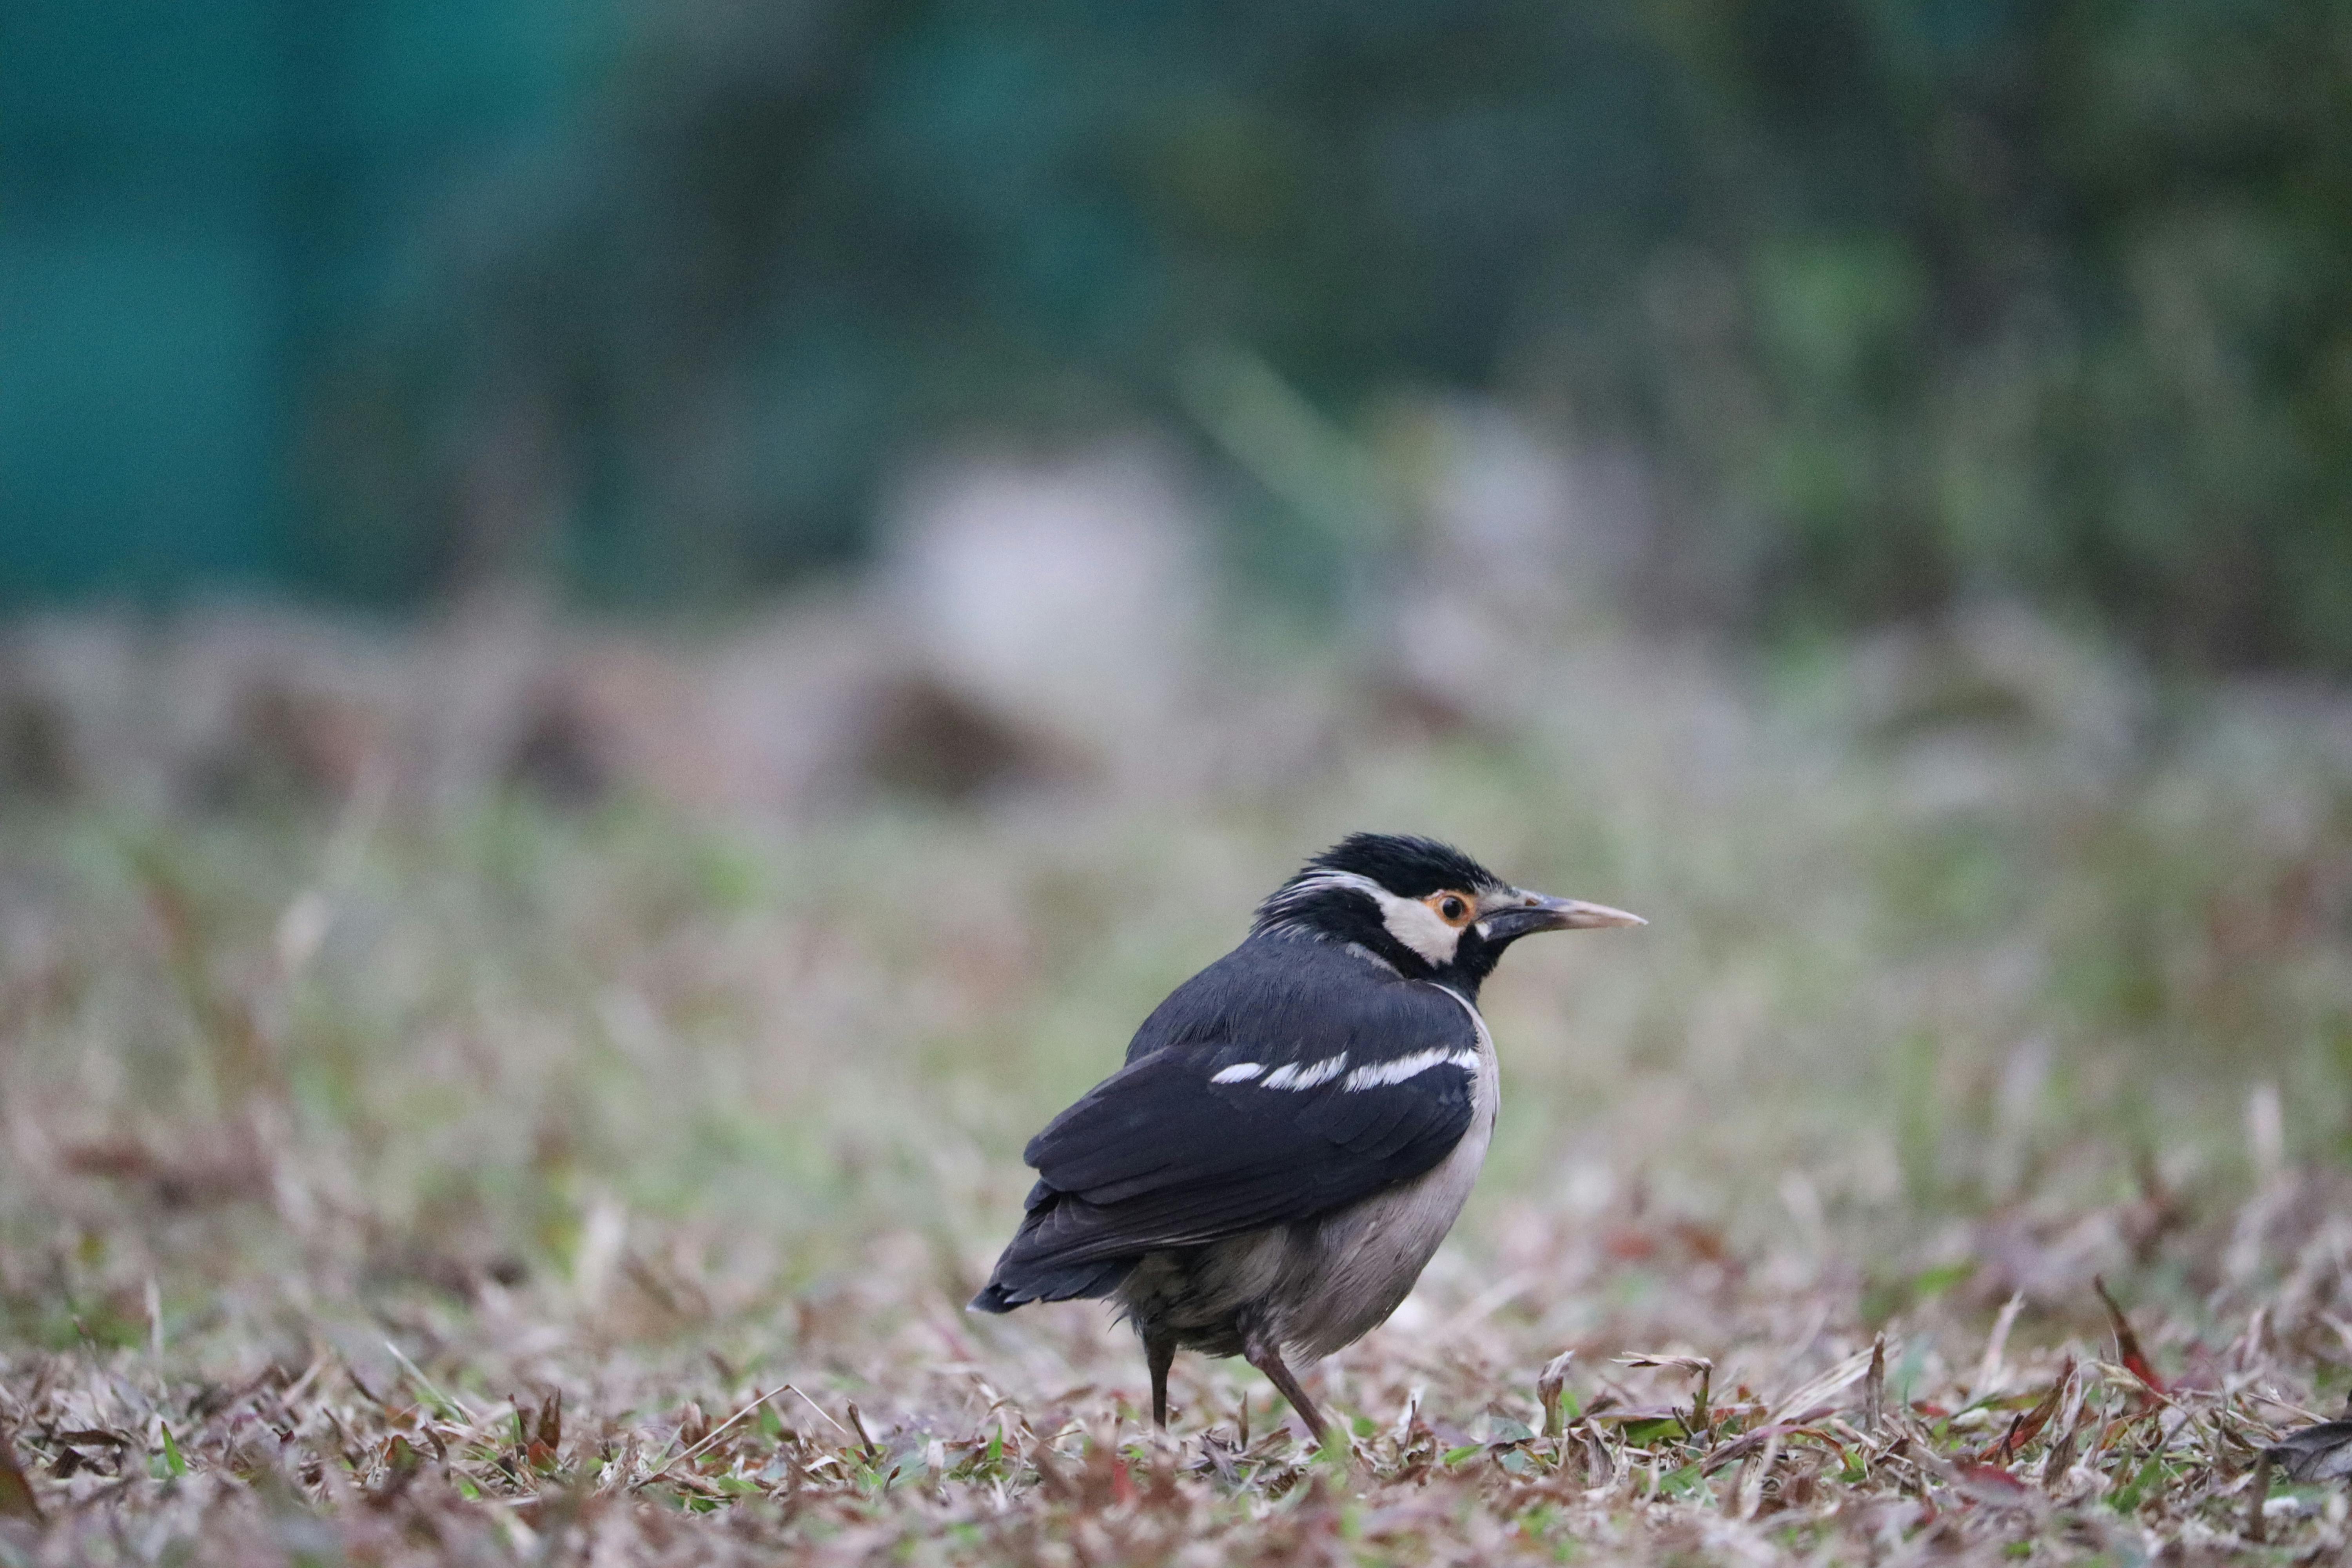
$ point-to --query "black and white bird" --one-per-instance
(1297, 1126)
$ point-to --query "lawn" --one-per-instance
(390, 1178)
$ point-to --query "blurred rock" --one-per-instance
(560, 756)
(1067, 593)
(284, 742)
(490, 666)
(787, 702)
(617, 714)
(250, 706)
(926, 739)
(1516, 544)
(36, 757)
(71, 702)
(1510, 514)
(824, 705)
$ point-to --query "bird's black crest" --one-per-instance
(1328, 901)
(1407, 866)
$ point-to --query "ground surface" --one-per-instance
(386, 1182)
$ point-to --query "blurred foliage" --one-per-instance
(1907, 302)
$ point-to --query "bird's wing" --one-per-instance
(1372, 1086)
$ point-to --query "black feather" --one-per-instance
(1407, 866)
(1160, 1155)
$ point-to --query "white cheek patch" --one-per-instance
(1417, 926)
(1409, 920)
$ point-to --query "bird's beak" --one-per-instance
(1522, 913)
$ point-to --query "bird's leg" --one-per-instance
(1265, 1355)
(1161, 1353)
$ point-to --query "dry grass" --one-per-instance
(895, 1436)
(392, 1179)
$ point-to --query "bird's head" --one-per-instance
(1423, 907)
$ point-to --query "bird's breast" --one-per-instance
(1368, 1255)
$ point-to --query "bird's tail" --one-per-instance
(1017, 1282)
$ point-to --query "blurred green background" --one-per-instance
(1896, 305)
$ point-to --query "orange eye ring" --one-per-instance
(1452, 908)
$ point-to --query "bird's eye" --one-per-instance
(1451, 909)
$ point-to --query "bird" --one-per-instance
(1295, 1128)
